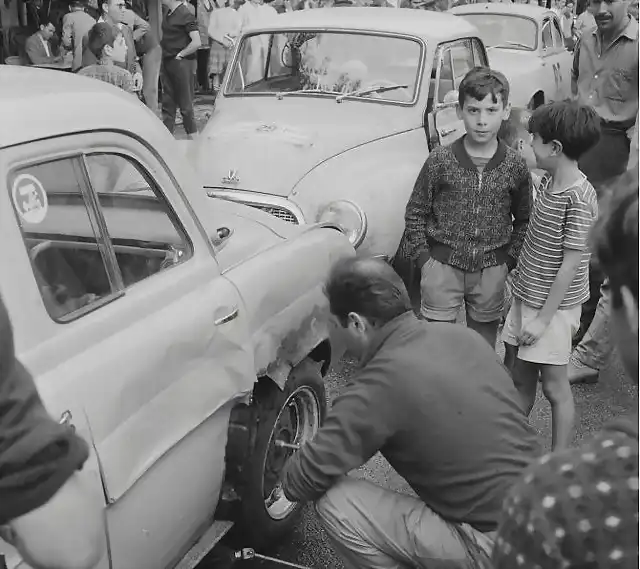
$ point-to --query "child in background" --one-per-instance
(552, 278)
(107, 43)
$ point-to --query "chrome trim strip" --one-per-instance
(257, 200)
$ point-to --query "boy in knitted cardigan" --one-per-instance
(469, 210)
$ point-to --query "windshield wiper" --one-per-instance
(362, 92)
(511, 44)
(282, 94)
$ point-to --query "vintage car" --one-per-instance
(183, 336)
(525, 42)
(328, 115)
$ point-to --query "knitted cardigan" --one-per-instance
(467, 219)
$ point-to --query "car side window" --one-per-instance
(62, 235)
(462, 59)
(556, 32)
(144, 233)
(547, 37)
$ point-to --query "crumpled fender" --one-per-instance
(291, 335)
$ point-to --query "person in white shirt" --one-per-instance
(586, 21)
(225, 25)
(254, 13)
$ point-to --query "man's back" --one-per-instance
(75, 26)
(463, 439)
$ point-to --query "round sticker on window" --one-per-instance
(30, 199)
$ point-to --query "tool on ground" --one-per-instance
(248, 553)
(284, 444)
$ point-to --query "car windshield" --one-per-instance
(333, 63)
(505, 31)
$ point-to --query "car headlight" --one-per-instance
(346, 215)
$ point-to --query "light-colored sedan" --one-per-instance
(184, 337)
(525, 42)
(329, 114)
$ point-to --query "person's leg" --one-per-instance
(485, 297)
(593, 351)
(441, 291)
(169, 86)
(510, 355)
(596, 278)
(370, 526)
(557, 390)
(184, 73)
(151, 62)
(525, 378)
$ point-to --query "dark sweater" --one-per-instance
(436, 402)
(465, 219)
(37, 455)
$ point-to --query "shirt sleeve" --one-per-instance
(37, 454)
(348, 439)
(190, 23)
(578, 221)
(575, 68)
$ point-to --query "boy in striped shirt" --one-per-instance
(552, 277)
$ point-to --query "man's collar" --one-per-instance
(630, 31)
(381, 335)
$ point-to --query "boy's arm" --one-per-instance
(416, 213)
(578, 224)
(520, 209)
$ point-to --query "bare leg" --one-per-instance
(525, 378)
(488, 330)
(557, 390)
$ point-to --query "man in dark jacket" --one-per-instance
(46, 512)
(435, 401)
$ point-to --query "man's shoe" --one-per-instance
(581, 373)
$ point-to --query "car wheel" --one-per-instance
(284, 419)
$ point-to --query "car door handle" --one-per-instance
(447, 131)
(228, 318)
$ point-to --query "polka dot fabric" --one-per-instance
(576, 509)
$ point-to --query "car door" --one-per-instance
(563, 61)
(451, 63)
(550, 78)
(143, 325)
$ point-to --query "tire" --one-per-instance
(277, 414)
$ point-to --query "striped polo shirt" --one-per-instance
(560, 220)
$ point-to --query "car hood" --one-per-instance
(269, 145)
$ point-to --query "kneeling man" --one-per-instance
(434, 399)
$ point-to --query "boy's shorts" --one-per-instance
(444, 290)
(554, 346)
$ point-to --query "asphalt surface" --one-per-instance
(612, 397)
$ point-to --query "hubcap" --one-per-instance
(297, 423)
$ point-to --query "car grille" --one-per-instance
(279, 212)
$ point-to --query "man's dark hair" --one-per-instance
(369, 287)
(615, 236)
(482, 81)
(516, 125)
(46, 21)
(574, 125)
(101, 34)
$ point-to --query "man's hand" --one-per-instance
(137, 81)
(532, 331)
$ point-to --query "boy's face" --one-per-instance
(482, 119)
(545, 153)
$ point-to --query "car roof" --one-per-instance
(38, 103)
(419, 23)
(524, 10)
